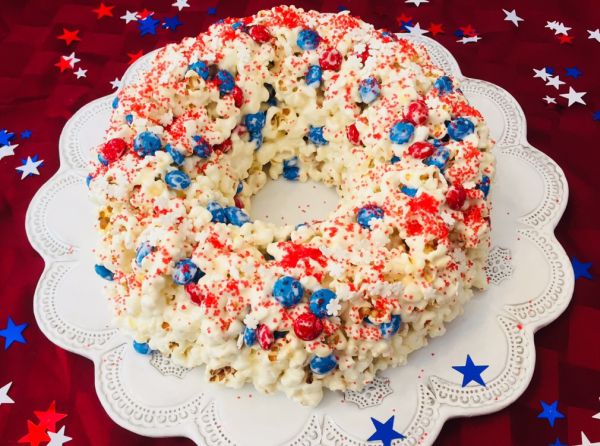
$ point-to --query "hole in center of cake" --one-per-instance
(285, 202)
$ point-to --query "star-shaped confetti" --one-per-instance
(416, 30)
(581, 269)
(116, 83)
(417, 3)
(543, 74)
(36, 434)
(130, 16)
(597, 416)
(25, 134)
(550, 412)
(385, 432)
(63, 64)
(594, 34)
(436, 28)
(586, 442)
(472, 39)
(212, 11)
(180, 4)
(511, 16)
(558, 443)
(171, 23)
(132, 58)
(574, 97)
(29, 166)
(558, 27)
(471, 372)
(468, 30)
(13, 333)
(573, 72)
(72, 59)
(144, 13)
(80, 73)
(58, 438)
(5, 137)
(554, 81)
(565, 39)
(49, 417)
(596, 115)
(148, 25)
(4, 398)
(6, 151)
(549, 100)
(69, 36)
(103, 11)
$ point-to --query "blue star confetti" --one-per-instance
(13, 333)
(212, 11)
(5, 137)
(596, 115)
(558, 443)
(148, 26)
(459, 33)
(550, 412)
(342, 8)
(385, 432)
(26, 134)
(471, 372)
(581, 268)
(171, 23)
(573, 72)
(550, 70)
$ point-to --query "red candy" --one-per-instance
(456, 197)
(331, 59)
(238, 203)
(113, 149)
(353, 135)
(417, 112)
(194, 293)
(238, 96)
(259, 34)
(224, 147)
(265, 338)
(421, 149)
(307, 326)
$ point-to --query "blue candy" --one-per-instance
(102, 160)
(236, 216)
(369, 90)
(313, 76)
(395, 159)
(287, 291)
(439, 158)
(201, 68)
(322, 366)
(146, 143)
(185, 271)
(237, 25)
(88, 180)
(272, 95)
(460, 128)
(319, 301)
(177, 180)
(217, 211)
(255, 122)
(249, 336)
(115, 102)
(291, 170)
(226, 81)
(444, 85)
(410, 191)
(104, 272)
(258, 138)
(129, 119)
(402, 132)
(176, 155)
(368, 213)
(142, 348)
(240, 187)
(143, 250)
(203, 148)
(315, 135)
(390, 328)
(484, 185)
(308, 39)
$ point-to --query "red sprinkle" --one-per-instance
(421, 149)
(307, 326)
(113, 149)
(265, 337)
(417, 112)
(353, 135)
(331, 59)
(194, 292)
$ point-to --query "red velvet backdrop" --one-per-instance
(35, 95)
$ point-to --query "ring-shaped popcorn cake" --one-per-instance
(325, 304)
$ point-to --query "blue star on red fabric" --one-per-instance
(26, 134)
(385, 432)
(171, 23)
(13, 333)
(581, 268)
(5, 137)
(471, 372)
(550, 70)
(597, 115)
(558, 443)
(148, 25)
(573, 72)
(550, 412)
(212, 11)
(342, 8)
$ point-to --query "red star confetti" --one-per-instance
(402, 19)
(36, 434)
(103, 11)
(468, 31)
(49, 417)
(565, 39)
(69, 36)
(144, 14)
(64, 64)
(435, 29)
(134, 56)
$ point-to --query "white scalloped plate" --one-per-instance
(532, 284)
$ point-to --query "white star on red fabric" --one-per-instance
(80, 73)
(558, 27)
(58, 438)
(543, 74)
(30, 167)
(586, 442)
(116, 83)
(472, 39)
(549, 100)
(597, 416)
(8, 150)
(511, 16)
(180, 4)
(72, 59)
(4, 398)
(554, 81)
(594, 34)
(416, 30)
(130, 17)
(417, 3)
(574, 97)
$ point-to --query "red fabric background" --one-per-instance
(35, 95)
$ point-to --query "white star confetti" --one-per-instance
(58, 438)
(416, 30)
(417, 3)
(180, 4)
(586, 442)
(116, 83)
(543, 74)
(554, 81)
(80, 73)
(130, 17)
(72, 59)
(574, 96)
(549, 100)
(30, 167)
(512, 17)
(472, 39)
(594, 34)
(597, 416)
(9, 150)
(558, 27)
(4, 398)
(333, 307)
